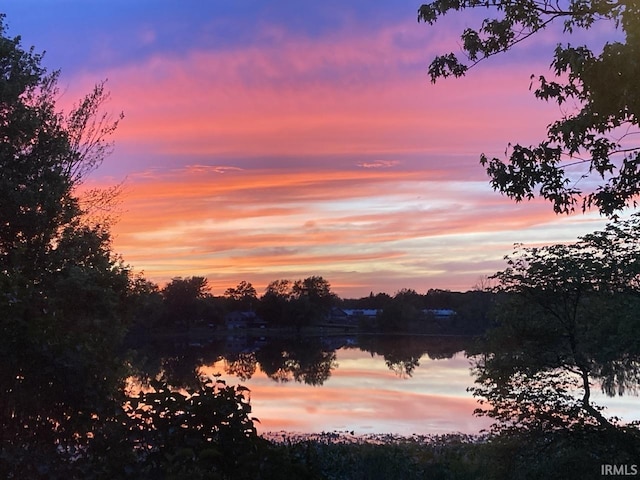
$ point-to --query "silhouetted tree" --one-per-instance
(437, 298)
(183, 300)
(146, 304)
(244, 296)
(312, 300)
(597, 93)
(62, 290)
(273, 306)
(568, 316)
(203, 432)
(297, 304)
(316, 289)
(403, 309)
(373, 302)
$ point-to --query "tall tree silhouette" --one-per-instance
(595, 86)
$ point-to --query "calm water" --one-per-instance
(400, 385)
(365, 396)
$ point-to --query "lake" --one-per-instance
(368, 384)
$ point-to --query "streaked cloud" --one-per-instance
(267, 146)
(379, 164)
(364, 230)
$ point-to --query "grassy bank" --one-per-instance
(559, 455)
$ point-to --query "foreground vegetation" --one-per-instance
(559, 455)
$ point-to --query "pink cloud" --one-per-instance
(379, 164)
(330, 156)
(339, 95)
(363, 229)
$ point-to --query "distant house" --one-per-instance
(238, 320)
(440, 313)
(368, 313)
(349, 317)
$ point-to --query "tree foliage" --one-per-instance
(192, 433)
(183, 299)
(567, 319)
(273, 306)
(595, 141)
(405, 307)
(62, 290)
(297, 303)
(243, 296)
(65, 304)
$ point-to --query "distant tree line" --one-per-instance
(188, 302)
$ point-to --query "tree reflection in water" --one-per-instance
(402, 353)
(305, 360)
(566, 319)
(313, 360)
(242, 365)
(309, 360)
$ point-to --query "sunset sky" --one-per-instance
(281, 139)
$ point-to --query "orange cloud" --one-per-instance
(329, 156)
(363, 229)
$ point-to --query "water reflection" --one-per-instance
(365, 383)
(310, 360)
(363, 394)
(304, 360)
(368, 384)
